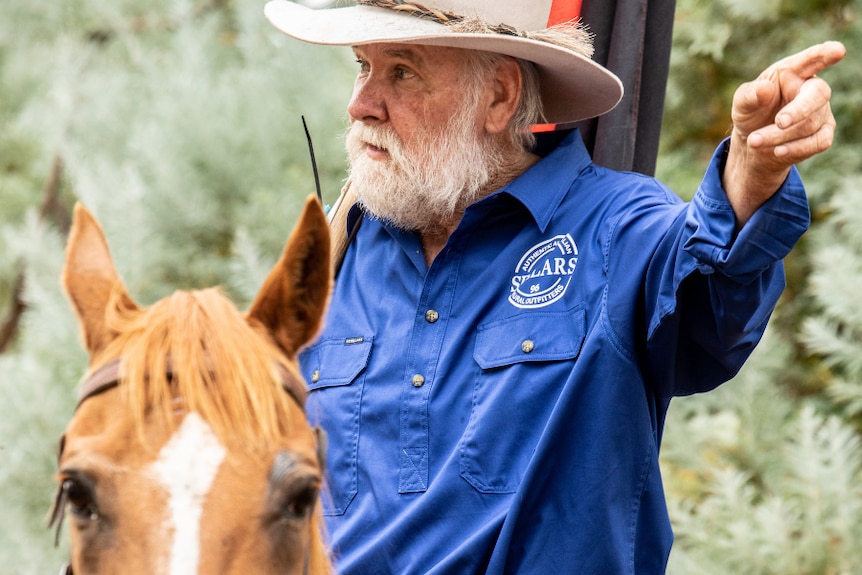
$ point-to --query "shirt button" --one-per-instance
(418, 380)
(527, 346)
(315, 376)
(431, 316)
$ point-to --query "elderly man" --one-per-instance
(510, 321)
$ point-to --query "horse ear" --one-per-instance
(89, 278)
(293, 299)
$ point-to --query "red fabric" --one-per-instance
(563, 11)
(539, 128)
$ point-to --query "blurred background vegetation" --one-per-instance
(179, 124)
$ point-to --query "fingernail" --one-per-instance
(755, 140)
(783, 121)
(781, 151)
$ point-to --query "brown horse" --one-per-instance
(185, 454)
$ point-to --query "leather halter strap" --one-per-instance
(108, 376)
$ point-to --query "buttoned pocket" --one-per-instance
(335, 371)
(522, 363)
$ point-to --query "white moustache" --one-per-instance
(384, 138)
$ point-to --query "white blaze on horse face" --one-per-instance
(187, 466)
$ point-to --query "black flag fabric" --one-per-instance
(632, 39)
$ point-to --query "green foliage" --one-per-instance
(760, 483)
(764, 475)
(718, 45)
(834, 335)
(179, 125)
(37, 393)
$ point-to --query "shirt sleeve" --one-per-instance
(709, 301)
(766, 239)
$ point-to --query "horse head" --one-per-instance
(189, 451)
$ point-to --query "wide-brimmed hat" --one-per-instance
(573, 86)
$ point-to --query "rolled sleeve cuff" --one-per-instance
(765, 239)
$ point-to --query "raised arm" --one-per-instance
(780, 119)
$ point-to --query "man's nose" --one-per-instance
(367, 104)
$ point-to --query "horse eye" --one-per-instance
(294, 489)
(81, 500)
(301, 503)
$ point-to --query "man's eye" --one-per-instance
(403, 73)
(363, 65)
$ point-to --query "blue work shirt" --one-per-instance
(502, 410)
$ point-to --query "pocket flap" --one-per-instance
(531, 336)
(335, 361)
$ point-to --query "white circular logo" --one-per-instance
(544, 273)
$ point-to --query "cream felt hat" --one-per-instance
(573, 86)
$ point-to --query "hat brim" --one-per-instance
(573, 87)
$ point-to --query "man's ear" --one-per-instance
(507, 86)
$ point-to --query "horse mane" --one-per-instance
(221, 367)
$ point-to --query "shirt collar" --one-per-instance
(541, 188)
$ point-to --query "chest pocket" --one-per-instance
(335, 371)
(523, 363)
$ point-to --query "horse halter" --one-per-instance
(108, 377)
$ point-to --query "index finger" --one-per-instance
(810, 61)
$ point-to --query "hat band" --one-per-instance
(446, 18)
(572, 35)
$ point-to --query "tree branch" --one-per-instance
(13, 316)
(52, 208)
(140, 25)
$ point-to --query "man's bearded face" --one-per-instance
(423, 186)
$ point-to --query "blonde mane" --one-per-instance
(220, 366)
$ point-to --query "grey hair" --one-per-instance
(482, 66)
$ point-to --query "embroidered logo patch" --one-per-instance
(544, 273)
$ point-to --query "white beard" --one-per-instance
(426, 188)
